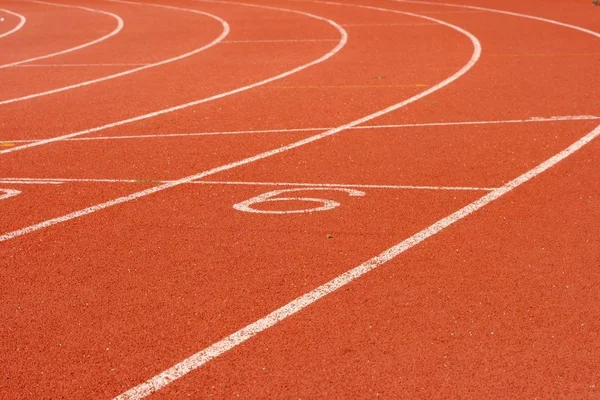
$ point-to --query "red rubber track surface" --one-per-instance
(502, 304)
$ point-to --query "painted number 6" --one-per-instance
(325, 204)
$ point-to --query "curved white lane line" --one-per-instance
(118, 29)
(337, 48)
(223, 34)
(22, 21)
(202, 357)
(494, 10)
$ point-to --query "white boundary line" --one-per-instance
(115, 31)
(11, 181)
(494, 10)
(342, 42)
(362, 127)
(79, 65)
(22, 21)
(215, 350)
(47, 181)
(223, 34)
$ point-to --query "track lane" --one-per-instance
(264, 155)
(172, 81)
(120, 353)
(240, 336)
(54, 79)
(115, 31)
(120, 74)
(283, 267)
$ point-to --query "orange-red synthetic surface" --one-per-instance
(98, 295)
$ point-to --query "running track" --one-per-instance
(442, 237)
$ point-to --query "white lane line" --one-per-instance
(494, 10)
(448, 12)
(46, 181)
(215, 350)
(496, 122)
(80, 65)
(29, 182)
(342, 42)
(281, 41)
(115, 31)
(235, 339)
(223, 34)
(89, 210)
(344, 185)
(22, 21)
(363, 127)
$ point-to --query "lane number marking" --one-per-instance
(325, 204)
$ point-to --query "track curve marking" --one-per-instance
(114, 32)
(222, 36)
(342, 42)
(202, 357)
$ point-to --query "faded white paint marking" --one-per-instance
(17, 27)
(326, 204)
(79, 65)
(7, 193)
(342, 42)
(223, 34)
(115, 31)
(29, 182)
